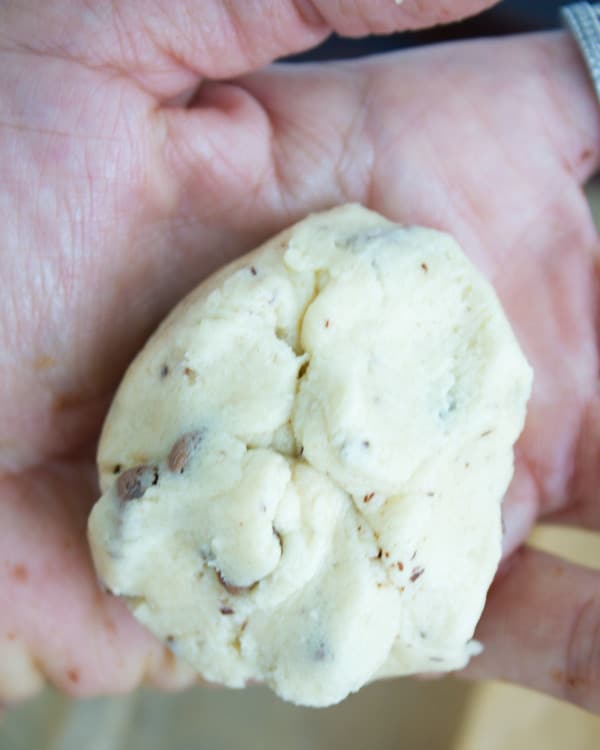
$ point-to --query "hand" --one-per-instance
(129, 174)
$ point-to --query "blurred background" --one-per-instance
(402, 714)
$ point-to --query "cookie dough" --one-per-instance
(302, 471)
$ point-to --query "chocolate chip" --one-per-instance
(425, 267)
(226, 611)
(253, 270)
(183, 450)
(117, 469)
(133, 483)
(367, 498)
(416, 573)
(164, 371)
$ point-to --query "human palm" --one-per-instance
(129, 174)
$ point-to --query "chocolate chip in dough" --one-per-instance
(133, 483)
(183, 450)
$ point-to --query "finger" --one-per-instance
(55, 622)
(583, 510)
(541, 629)
(167, 45)
(360, 17)
(520, 508)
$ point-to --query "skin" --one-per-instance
(131, 169)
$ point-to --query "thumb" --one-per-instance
(167, 46)
(541, 629)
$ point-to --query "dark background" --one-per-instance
(508, 17)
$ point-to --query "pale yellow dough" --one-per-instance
(325, 431)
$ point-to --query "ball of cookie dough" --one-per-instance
(302, 471)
